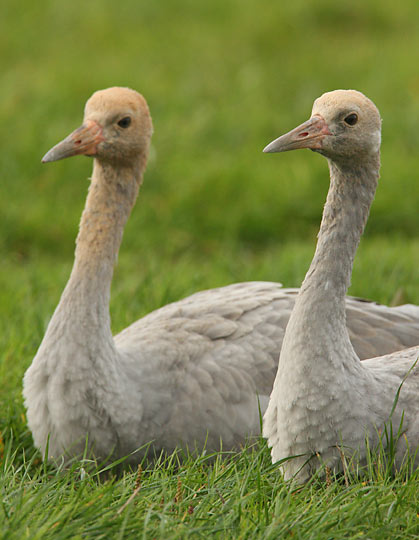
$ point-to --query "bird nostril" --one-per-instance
(77, 142)
(304, 134)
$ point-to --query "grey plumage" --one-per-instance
(324, 397)
(188, 374)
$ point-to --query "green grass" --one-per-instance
(222, 79)
(232, 496)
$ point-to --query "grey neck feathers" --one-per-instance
(320, 306)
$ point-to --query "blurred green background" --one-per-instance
(222, 78)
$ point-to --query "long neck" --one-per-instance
(85, 300)
(319, 313)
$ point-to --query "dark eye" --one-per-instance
(124, 122)
(351, 119)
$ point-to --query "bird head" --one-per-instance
(116, 127)
(343, 124)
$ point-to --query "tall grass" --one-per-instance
(231, 496)
(222, 79)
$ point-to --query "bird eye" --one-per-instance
(351, 119)
(124, 122)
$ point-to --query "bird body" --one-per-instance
(190, 374)
(325, 400)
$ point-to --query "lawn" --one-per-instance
(222, 79)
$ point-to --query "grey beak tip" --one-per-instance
(268, 149)
(47, 157)
(51, 155)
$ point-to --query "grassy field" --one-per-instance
(222, 78)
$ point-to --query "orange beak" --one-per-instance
(307, 135)
(83, 140)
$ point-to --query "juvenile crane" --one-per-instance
(325, 400)
(189, 374)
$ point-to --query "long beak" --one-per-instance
(83, 140)
(307, 135)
